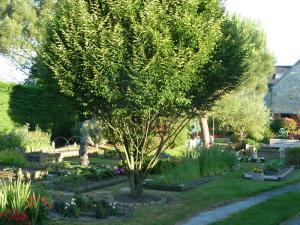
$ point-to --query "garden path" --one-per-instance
(220, 213)
(293, 221)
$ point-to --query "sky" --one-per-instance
(279, 18)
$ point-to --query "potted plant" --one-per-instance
(258, 174)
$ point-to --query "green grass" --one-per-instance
(181, 206)
(271, 212)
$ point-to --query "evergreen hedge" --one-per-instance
(30, 104)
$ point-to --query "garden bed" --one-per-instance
(283, 173)
(88, 210)
(151, 184)
(88, 185)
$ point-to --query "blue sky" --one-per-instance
(280, 20)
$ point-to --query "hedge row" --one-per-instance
(30, 104)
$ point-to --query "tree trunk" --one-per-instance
(204, 130)
(136, 183)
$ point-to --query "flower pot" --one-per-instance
(258, 176)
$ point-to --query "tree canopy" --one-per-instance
(20, 24)
(243, 109)
(132, 64)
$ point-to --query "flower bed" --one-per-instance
(278, 176)
(20, 206)
(81, 207)
(87, 178)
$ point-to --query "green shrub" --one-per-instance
(12, 158)
(289, 124)
(273, 166)
(292, 155)
(25, 140)
(249, 142)
(6, 123)
(276, 125)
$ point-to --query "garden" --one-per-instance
(137, 112)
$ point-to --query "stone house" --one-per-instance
(283, 97)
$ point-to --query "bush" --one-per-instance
(25, 140)
(292, 155)
(273, 166)
(249, 142)
(276, 125)
(289, 124)
(12, 158)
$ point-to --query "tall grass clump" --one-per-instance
(19, 205)
(198, 164)
(25, 140)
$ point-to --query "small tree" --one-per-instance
(132, 64)
(245, 115)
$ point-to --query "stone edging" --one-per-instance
(161, 201)
(180, 187)
(279, 177)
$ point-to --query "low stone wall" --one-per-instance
(57, 155)
(23, 174)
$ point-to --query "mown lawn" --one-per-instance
(271, 212)
(181, 206)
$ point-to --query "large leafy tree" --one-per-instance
(241, 61)
(20, 25)
(132, 64)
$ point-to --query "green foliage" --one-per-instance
(132, 64)
(20, 23)
(71, 209)
(12, 158)
(245, 115)
(78, 174)
(6, 123)
(289, 124)
(292, 155)
(51, 112)
(276, 125)
(273, 166)
(228, 67)
(197, 164)
(24, 140)
(16, 194)
(250, 142)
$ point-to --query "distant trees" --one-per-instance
(254, 67)
(20, 24)
(245, 115)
